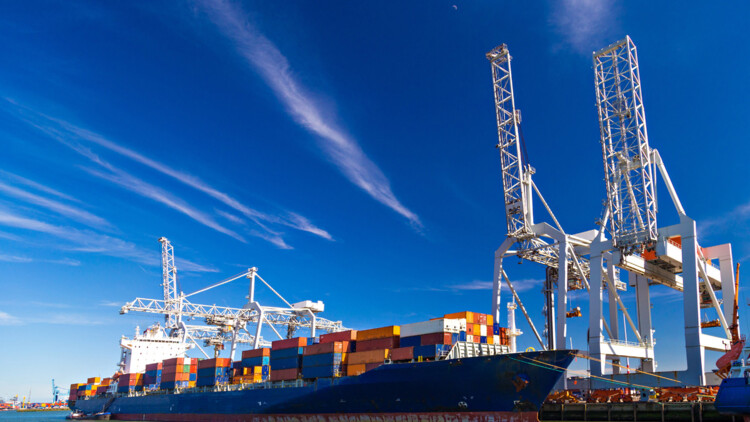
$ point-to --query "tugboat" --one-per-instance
(733, 397)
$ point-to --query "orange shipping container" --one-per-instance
(480, 319)
(93, 380)
(468, 316)
(353, 370)
(376, 333)
(490, 320)
(370, 356)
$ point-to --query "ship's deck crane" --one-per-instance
(226, 324)
(549, 245)
(649, 253)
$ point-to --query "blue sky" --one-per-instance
(345, 149)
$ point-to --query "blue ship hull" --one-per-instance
(733, 397)
(501, 387)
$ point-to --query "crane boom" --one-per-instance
(628, 162)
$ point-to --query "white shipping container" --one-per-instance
(462, 324)
(442, 325)
(469, 338)
(483, 330)
(496, 339)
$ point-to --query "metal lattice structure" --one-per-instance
(169, 282)
(628, 166)
(515, 174)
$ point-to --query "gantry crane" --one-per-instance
(562, 253)
(650, 254)
(226, 324)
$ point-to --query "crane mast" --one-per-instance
(169, 283)
(628, 161)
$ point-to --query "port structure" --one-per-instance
(563, 255)
(650, 254)
(222, 324)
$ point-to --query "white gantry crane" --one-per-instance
(650, 254)
(562, 253)
(222, 324)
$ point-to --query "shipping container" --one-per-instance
(410, 341)
(286, 363)
(329, 371)
(256, 361)
(468, 316)
(382, 332)
(431, 351)
(441, 325)
(349, 335)
(284, 374)
(436, 338)
(355, 369)
(289, 343)
(330, 347)
(378, 343)
(214, 363)
(326, 359)
(402, 354)
(254, 353)
(370, 356)
(286, 353)
(173, 362)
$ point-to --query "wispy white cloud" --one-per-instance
(230, 217)
(74, 213)
(14, 258)
(70, 135)
(134, 184)
(38, 186)
(520, 285)
(8, 319)
(265, 58)
(183, 265)
(584, 24)
(27, 260)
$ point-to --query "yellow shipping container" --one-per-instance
(356, 369)
(376, 333)
(370, 356)
(93, 380)
(490, 320)
(468, 316)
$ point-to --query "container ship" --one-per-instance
(458, 367)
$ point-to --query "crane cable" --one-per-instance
(625, 367)
(538, 363)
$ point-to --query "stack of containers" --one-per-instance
(372, 349)
(130, 382)
(427, 340)
(213, 372)
(286, 358)
(325, 360)
(103, 386)
(480, 328)
(74, 391)
(254, 367)
(152, 376)
(176, 373)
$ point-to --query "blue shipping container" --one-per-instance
(171, 385)
(266, 370)
(454, 338)
(213, 372)
(321, 371)
(496, 329)
(431, 351)
(326, 359)
(256, 361)
(462, 336)
(483, 339)
(204, 382)
(410, 341)
(286, 363)
(286, 353)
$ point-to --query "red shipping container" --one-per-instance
(380, 343)
(214, 363)
(481, 319)
(173, 362)
(255, 353)
(349, 335)
(194, 369)
(402, 353)
(436, 338)
(322, 348)
(289, 343)
(477, 339)
(154, 366)
(172, 369)
(370, 366)
(284, 374)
